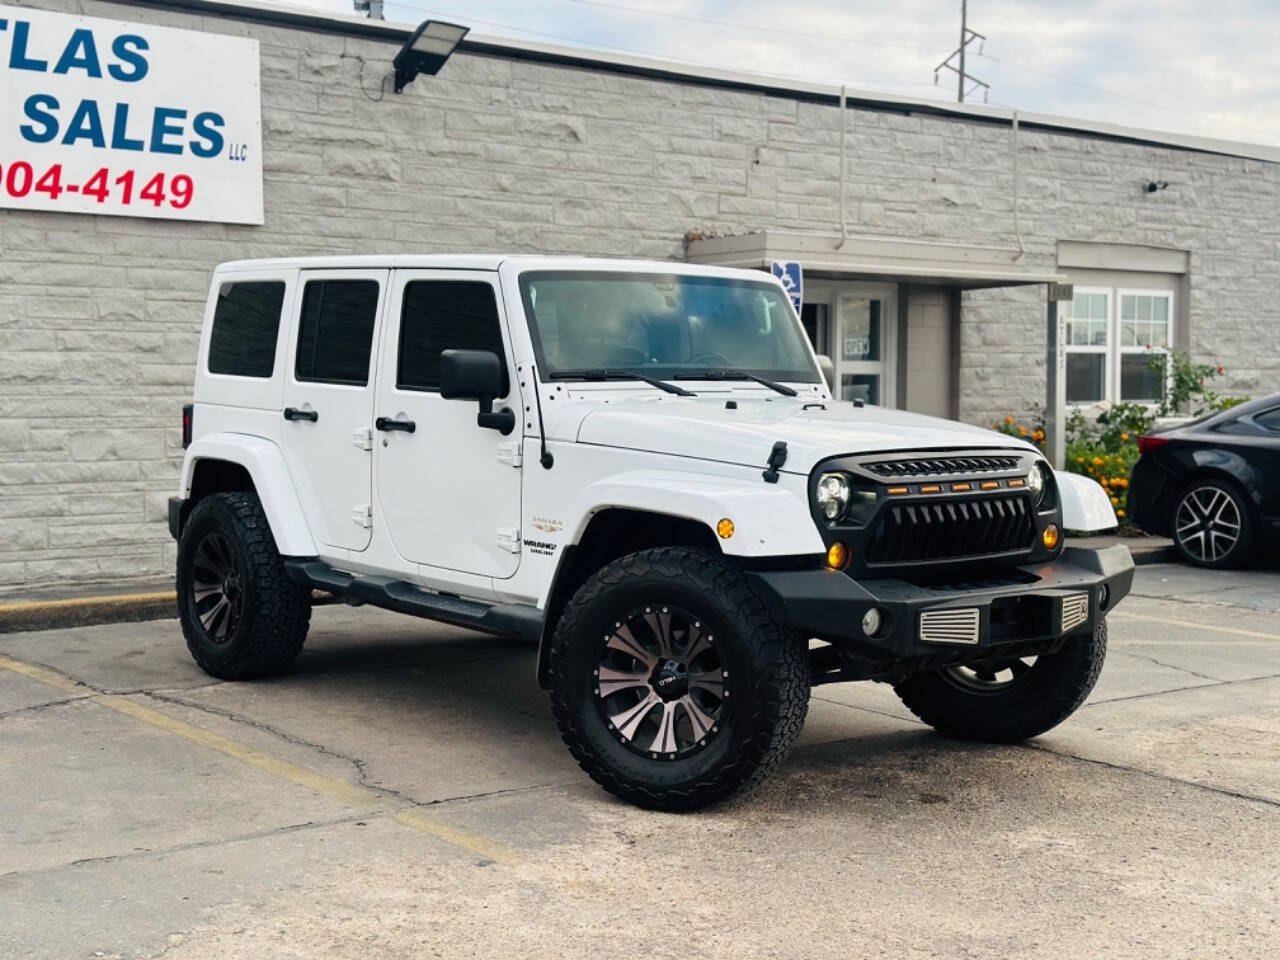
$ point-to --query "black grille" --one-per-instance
(935, 466)
(950, 529)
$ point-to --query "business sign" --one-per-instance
(126, 119)
(792, 278)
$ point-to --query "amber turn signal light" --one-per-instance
(725, 528)
(1050, 537)
(837, 556)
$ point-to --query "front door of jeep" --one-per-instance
(448, 489)
(328, 401)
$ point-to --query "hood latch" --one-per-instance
(777, 457)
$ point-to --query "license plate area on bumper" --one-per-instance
(1034, 615)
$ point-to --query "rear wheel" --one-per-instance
(671, 684)
(1011, 699)
(241, 614)
(1212, 525)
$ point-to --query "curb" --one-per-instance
(86, 611)
(1146, 556)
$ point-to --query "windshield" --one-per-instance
(664, 326)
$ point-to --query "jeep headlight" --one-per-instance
(1036, 482)
(833, 495)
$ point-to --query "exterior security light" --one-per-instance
(427, 50)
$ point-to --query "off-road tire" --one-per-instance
(276, 611)
(763, 717)
(1056, 686)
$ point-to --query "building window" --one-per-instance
(1113, 335)
(445, 315)
(335, 334)
(246, 321)
(1145, 327)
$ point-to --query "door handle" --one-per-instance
(386, 423)
(293, 413)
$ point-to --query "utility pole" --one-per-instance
(967, 37)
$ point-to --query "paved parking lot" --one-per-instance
(405, 794)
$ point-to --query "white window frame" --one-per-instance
(1105, 350)
(1121, 349)
(1114, 349)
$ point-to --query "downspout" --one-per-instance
(844, 124)
(1017, 230)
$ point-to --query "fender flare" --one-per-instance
(769, 520)
(1086, 508)
(270, 474)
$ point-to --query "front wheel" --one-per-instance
(670, 682)
(1008, 700)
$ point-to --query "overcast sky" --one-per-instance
(1182, 65)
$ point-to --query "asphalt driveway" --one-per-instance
(405, 794)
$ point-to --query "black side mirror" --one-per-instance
(476, 375)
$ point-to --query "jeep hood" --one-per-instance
(705, 429)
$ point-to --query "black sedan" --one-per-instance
(1212, 485)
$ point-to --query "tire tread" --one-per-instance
(780, 677)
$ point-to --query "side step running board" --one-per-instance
(510, 619)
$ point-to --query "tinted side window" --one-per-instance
(1270, 420)
(445, 315)
(335, 332)
(246, 320)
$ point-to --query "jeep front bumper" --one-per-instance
(961, 622)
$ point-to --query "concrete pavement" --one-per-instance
(404, 794)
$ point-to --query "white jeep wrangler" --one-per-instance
(640, 468)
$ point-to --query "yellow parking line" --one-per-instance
(114, 599)
(334, 787)
(1234, 631)
(50, 677)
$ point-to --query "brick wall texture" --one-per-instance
(100, 316)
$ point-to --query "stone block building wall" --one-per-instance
(100, 316)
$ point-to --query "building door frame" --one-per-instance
(873, 307)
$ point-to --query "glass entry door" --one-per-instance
(855, 324)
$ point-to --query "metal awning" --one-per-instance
(963, 266)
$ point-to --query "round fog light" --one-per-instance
(837, 556)
(871, 621)
(1104, 596)
(1050, 536)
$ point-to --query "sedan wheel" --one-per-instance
(1211, 526)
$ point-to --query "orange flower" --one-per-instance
(1097, 461)
(1079, 459)
(1119, 513)
(1022, 431)
(1124, 437)
(1008, 421)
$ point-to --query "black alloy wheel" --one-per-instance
(661, 686)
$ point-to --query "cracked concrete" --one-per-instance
(1145, 826)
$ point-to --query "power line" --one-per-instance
(593, 44)
(1123, 96)
(811, 36)
(970, 34)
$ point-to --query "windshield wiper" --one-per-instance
(623, 374)
(781, 388)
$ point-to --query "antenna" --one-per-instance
(967, 37)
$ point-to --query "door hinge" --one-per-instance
(509, 539)
(363, 438)
(509, 453)
(362, 514)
